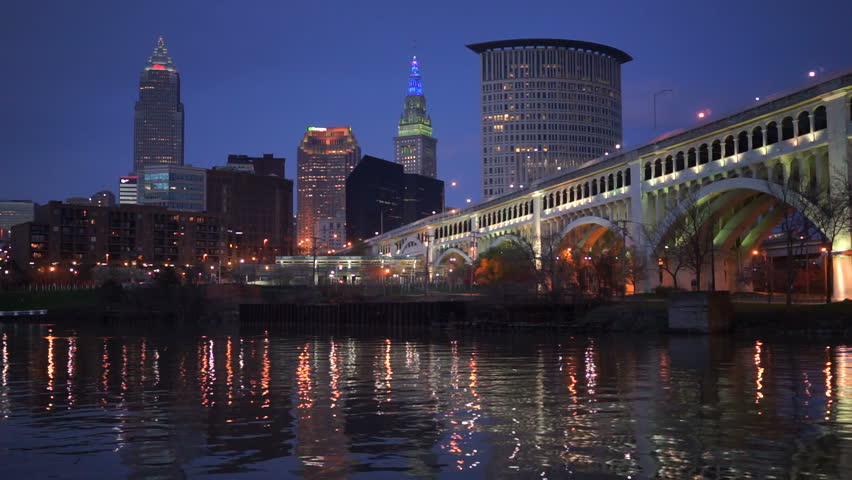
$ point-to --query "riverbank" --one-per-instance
(306, 309)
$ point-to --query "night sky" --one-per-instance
(255, 74)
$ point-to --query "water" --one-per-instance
(77, 404)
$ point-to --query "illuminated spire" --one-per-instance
(160, 59)
(415, 83)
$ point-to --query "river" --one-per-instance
(255, 404)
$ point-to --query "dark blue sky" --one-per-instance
(255, 74)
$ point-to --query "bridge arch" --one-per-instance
(412, 246)
(453, 251)
(704, 194)
(508, 237)
(598, 226)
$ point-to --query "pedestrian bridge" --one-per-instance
(779, 151)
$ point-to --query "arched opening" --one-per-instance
(679, 163)
(771, 133)
(648, 171)
(627, 177)
(741, 226)
(804, 123)
(820, 119)
(571, 194)
(703, 154)
(619, 181)
(742, 142)
(586, 190)
(756, 137)
(669, 165)
(587, 257)
(658, 168)
(691, 159)
(716, 150)
(594, 187)
(729, 146)
(610, 185)
(787, 129)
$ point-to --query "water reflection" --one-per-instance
(168, 406)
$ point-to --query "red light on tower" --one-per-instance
(157, 66)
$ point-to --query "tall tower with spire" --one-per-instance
(158, 119)
(414, 147)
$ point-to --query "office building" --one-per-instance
(256, 208)
(128, 190)
(103, 198)
(373, 198)
(380, 196)
(14, 212)
(414, 147)
(548, 105)
(134, 234)
(158, 121)
(422, 196)
(267, 164)
(326, 156)
(174, 187)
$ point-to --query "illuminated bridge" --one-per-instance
(741, 166)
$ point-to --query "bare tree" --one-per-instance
(686, 243)
(794, 229)
(830, 212)
(669, 248)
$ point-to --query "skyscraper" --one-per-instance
(415, 148)
(547, 105)
(158, 121)
(326, 156)
(381, 197)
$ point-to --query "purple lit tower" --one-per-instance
(415, 148)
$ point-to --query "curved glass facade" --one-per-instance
(546, 107)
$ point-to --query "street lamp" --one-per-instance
(824, 251)
(665, 90)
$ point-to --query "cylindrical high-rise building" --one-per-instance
(547, 105)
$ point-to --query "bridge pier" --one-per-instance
(842, 270)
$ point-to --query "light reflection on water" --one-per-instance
(261, 404)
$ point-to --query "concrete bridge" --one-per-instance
(744, 166)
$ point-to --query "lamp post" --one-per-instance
(824, 251)
(428, 249)
(767, 270)
(657, 94)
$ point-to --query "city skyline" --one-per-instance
(248, 96)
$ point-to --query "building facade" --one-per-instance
(267, 164)
(158, 133)
(14, 212)
(103, 198)
(128, 190)
(326, 156)
(373, 199)
(547, 105)
(380, 196)
(415, 148)
(257, 210)
(422, 196)
(134, 234)
(174, 187)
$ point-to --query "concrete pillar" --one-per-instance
(536, 240)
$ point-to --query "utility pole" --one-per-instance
(669, 90)
(314, 253)
(428, 249)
